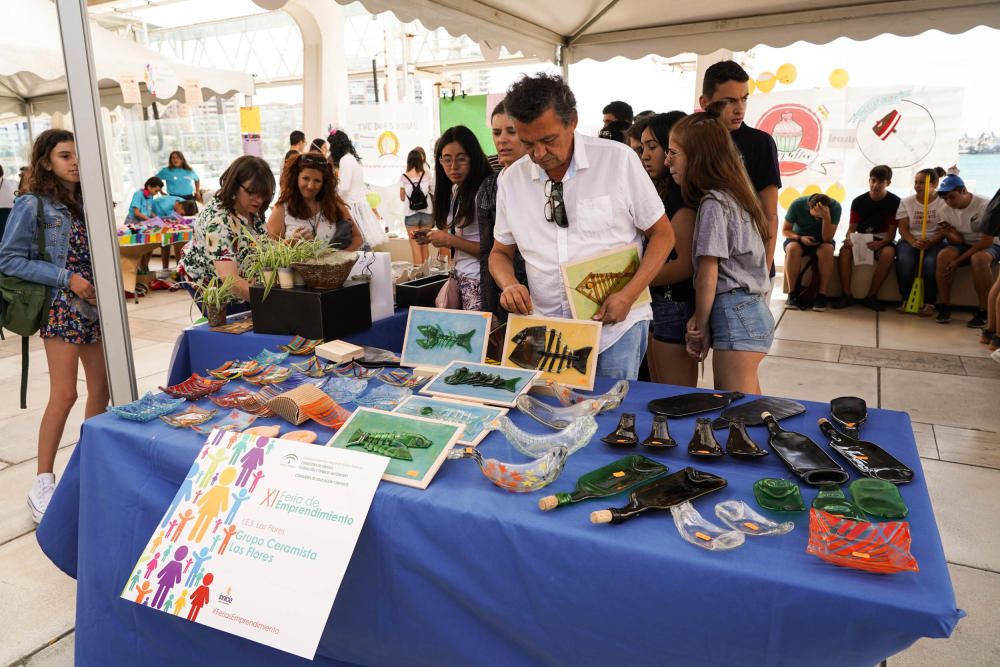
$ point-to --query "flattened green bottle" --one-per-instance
(617, 477)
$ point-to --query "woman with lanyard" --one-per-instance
(672, 289)
(53, 208)
(216, 247)
(309, 206)
(351, 188)
(181, 180)
(460, 161)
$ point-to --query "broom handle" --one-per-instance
(923, 226)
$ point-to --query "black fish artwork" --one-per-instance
(543, 349)
(463, 375)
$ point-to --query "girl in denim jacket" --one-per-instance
(72, 333)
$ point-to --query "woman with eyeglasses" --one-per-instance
(217, 244)
(351, 188)
(309, 206)
(459, 160)
(728, 251)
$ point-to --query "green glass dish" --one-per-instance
(780, 495)
(831, 499)
(879, 498)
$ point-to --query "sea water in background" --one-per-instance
(981, 172)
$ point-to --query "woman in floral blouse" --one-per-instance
(215, 249)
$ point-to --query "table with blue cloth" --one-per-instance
(199, 348)
(466, 573)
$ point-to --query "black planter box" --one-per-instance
(311, 313)
(419, 292)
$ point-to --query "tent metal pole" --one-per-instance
(565, 55)
(85, 106)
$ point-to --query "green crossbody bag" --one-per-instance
(24, 305)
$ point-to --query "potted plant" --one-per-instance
(214, 296)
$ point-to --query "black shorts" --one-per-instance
(807, 250)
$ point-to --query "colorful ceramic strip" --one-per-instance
(192, 416)
(235, 369)
(269, 358)
(326, 412)
(194, 388)
(353, 369)
(297, 379)
(234, 421)
(147, 408)
(233, 399)
(398, 378)
(300, 345)
(257, 403)
(874, 547)
(270, 375)
(314, 367)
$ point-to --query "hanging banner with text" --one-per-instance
(384, 133)
(258, 538)
(828, 139)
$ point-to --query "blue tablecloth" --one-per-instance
(199, 348)
(466, 573)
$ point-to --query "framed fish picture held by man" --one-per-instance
(565, 351)
(591, 280)
(435, 337)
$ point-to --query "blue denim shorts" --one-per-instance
(741, 321)
(419, 219)
(670, 319)
(993, 251)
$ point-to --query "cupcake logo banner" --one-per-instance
(798, 134)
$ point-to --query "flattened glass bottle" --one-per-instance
(616, 477)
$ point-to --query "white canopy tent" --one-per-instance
(32, 70)
(574, 30)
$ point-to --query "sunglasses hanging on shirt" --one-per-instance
(555, 209)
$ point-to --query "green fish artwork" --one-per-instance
(434, 337)
(386, 443)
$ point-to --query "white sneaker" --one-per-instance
(995, 356)
(40, 495)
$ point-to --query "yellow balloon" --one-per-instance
(765, 82)
(811, 190)
(374, 199)
(752, 84)
(837, 191)
(838, 78)
(787, 196)
(786, 73)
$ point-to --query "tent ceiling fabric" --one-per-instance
(32, 69)
(603, 29)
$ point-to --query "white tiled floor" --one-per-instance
(951, 397)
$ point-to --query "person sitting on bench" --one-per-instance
(871, 213)
(810, 224)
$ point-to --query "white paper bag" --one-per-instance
(862, 253)
(379, 265)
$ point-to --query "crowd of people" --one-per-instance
(698, 192)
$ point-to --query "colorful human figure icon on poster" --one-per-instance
(181, 602)
(215, 542)
(213, 503)
(169, 576)
(184, 518)
(187, 565)
(238, 499)
(241, 446)
(256, 478)
(200, 557)
(166, 552)
(144, 589)
(200, 597)
(155, 544)
(135, 578)
(251, 460)
(215, 459)
(229, 532)
(183, 493)
(152, 565)
(215, 528)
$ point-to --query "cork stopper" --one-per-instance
(822, 420)
(765, 414)
(600, 516)
(548, 503)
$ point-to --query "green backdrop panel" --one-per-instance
(471, 112)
